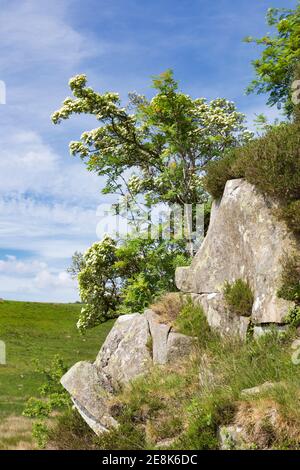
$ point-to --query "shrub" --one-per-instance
(191, 321)
(290, 213)
(123, 277)
(239, 297)
(53, 397)
(271, 163)
(70, 432)
(218, 172)
(293, 317)
(290, 278)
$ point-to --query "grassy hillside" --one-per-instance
(36, 331)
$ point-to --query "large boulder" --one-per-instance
(89, 396)
(125, 353)
(134, 344)
(244, 240)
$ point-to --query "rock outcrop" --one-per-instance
(134, 344)
(244, 240)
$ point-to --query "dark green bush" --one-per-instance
(271, 163)
(293, 317)
(290, 278)
(239, 297)
(218, 172)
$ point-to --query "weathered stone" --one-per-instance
(262, 330)
(83, 383)
(244, 240)
(125, 353)
(295, 344)
(179, 346)
(159, 333)
(124, 356)
(258, 389)
(218, 316)
(231, 438)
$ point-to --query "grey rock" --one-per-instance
(159, 333)
(295, 344)
(231, 438)
(83, 383)
(218, 316)
(258, 389)
(244, 240)
(125, 353)
(179, 346)
(262, 330)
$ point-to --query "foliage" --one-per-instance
(191, 321)
(293, 316)
(218, 172)
(116, 279)
(77, 264)
(98, 284)
(272, 164)
(290, 278)
(165, 142)
(275, 69)
(71, 432)
(168, 409)
(53, 397)
(239, 297)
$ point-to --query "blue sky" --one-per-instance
(48, 200)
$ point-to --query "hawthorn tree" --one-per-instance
(155, 151)
(115, 279)
(276, 69)
(164, 143)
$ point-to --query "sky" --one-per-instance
(48, 200)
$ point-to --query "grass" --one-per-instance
(182, 405)
(37, 332)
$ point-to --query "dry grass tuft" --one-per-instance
(265, 424)
(16, 434)
(168, 306)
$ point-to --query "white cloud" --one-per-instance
(24, 279)
(10, 264)
(38, 32)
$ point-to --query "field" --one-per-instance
(36, 332)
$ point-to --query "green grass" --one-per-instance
(39, 331)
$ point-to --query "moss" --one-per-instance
(239, 297)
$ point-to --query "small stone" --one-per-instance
(230, 438)
(262, 330)
(258, 389)
(295, 344)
